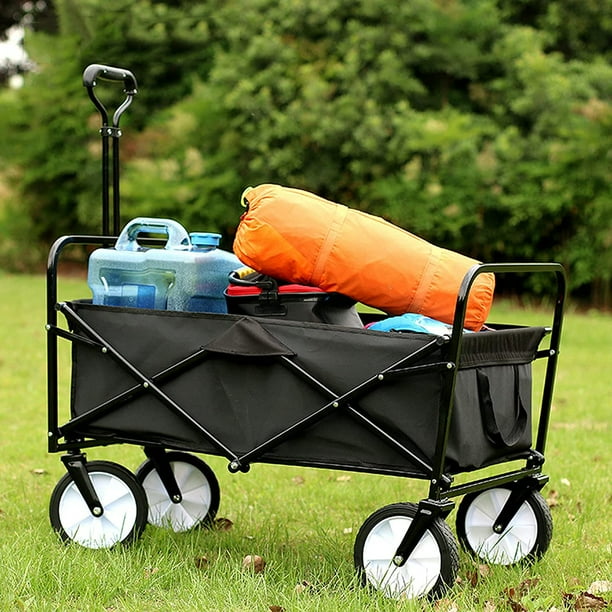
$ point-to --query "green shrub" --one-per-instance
(482, 126)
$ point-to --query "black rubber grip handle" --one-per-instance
(109, 73)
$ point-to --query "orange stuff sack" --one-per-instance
(302, 238)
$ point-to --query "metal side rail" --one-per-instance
(439, 483)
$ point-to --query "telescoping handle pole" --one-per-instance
(91, 75)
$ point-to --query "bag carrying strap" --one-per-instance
(487, 411)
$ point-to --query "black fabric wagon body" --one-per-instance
(252, 380)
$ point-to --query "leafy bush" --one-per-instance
(482, 126)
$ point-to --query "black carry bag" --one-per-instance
(243, 388)
(493, 396)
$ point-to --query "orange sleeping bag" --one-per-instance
(299, 237)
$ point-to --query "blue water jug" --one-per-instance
(202, 287)
(179, 276)
(132, 275)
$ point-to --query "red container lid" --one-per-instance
(241, 290)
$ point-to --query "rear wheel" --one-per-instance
(124, 507)
(430, 569)
(526, 537)
(199, 493)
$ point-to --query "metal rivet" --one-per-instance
(449, 365)
(145, 385)
(398, 560)
(47, 327)
(97, 511)
(380, 377)
(104, 349)
(335, 404)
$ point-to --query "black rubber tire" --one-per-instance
(124, 505)
(429, 571)
(198, 485)
(527, 537)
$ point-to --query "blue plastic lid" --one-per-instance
(204, 240)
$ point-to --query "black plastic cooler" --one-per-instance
(262, 296)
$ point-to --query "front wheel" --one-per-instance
(199, 492)
(430, 569)
(123, 502)
(526, 537)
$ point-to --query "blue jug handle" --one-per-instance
(178, 237)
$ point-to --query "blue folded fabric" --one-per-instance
(415, 323)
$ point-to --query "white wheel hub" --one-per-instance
(517, 540)
(195, 503)
(416, 577)
(116, 522)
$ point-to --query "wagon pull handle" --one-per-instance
(109, 73)
(92, 73)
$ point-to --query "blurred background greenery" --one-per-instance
(484, 126)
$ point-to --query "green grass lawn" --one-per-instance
(302, 521)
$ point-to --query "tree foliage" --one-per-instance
(38, 15)
(15, 15)
(481, 125)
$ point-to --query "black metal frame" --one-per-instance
(441, 487)
(107, 131)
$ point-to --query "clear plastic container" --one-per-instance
(180, 276)
(201, 288)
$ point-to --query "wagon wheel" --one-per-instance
(430, 569)
(123, 502)
(199, 490)
(527, 536)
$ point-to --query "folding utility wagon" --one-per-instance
(264, 389)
